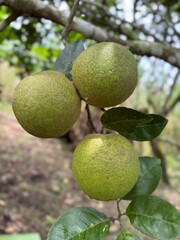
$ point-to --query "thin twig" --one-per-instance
(172, 106)
(119, 213)
(135, 10)
(150, 101)
(70, 19)
(90, 121)
(133, 24)
(7, 21)
(159, 154)
(103, 130)
(169, 141)
(171, 91)
(163, 19)
(118, 208)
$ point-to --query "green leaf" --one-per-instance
(154, 217)
(75, 36)
(150, 130)
(80, 224)
(124, 120)
(149, 177)
(66, 58)
(26, 236)
(132, 124)
(111, 3)
(125, 235)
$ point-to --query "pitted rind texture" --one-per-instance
(105, 167)
(46, 104)
(105, 74)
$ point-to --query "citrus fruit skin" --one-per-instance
(105, 74)
(46, 104)
(105, 167)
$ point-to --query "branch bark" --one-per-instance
(158, 153)
(172, 106)
(41, 10)
(8, 20)
(140, 28)
(90, 121)
(170, 92)
(169, 141)
(70, 19)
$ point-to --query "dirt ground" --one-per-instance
(36, 184)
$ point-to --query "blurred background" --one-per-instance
(36, 185)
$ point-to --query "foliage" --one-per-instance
(80, 223)
(28, 45)
(133, 124)
(154, 217)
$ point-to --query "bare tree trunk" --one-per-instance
(158, 153)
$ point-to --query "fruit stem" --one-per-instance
(118, 208)
(90, 118)
(119, 213)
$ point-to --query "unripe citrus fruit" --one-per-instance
(46, 104)
(105, 74)
(105, 167)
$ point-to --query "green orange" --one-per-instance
(105, 74)
(46, 104)
(105, 167)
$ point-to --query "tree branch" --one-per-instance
(90, 121)
(8, 20)
(169, 141)
(140, 28)
(150, 101)
(170, 92)
(158, 153)
(172, 106)
(41, 10)
(70, 19)
(163, 18)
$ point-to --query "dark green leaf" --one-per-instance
(150, 130)
(154, 217)
(125, 235)
(149, 177)
(132, 124)
(80, 223)
(124, 120)
(66, 58)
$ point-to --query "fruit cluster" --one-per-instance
(47, 105)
